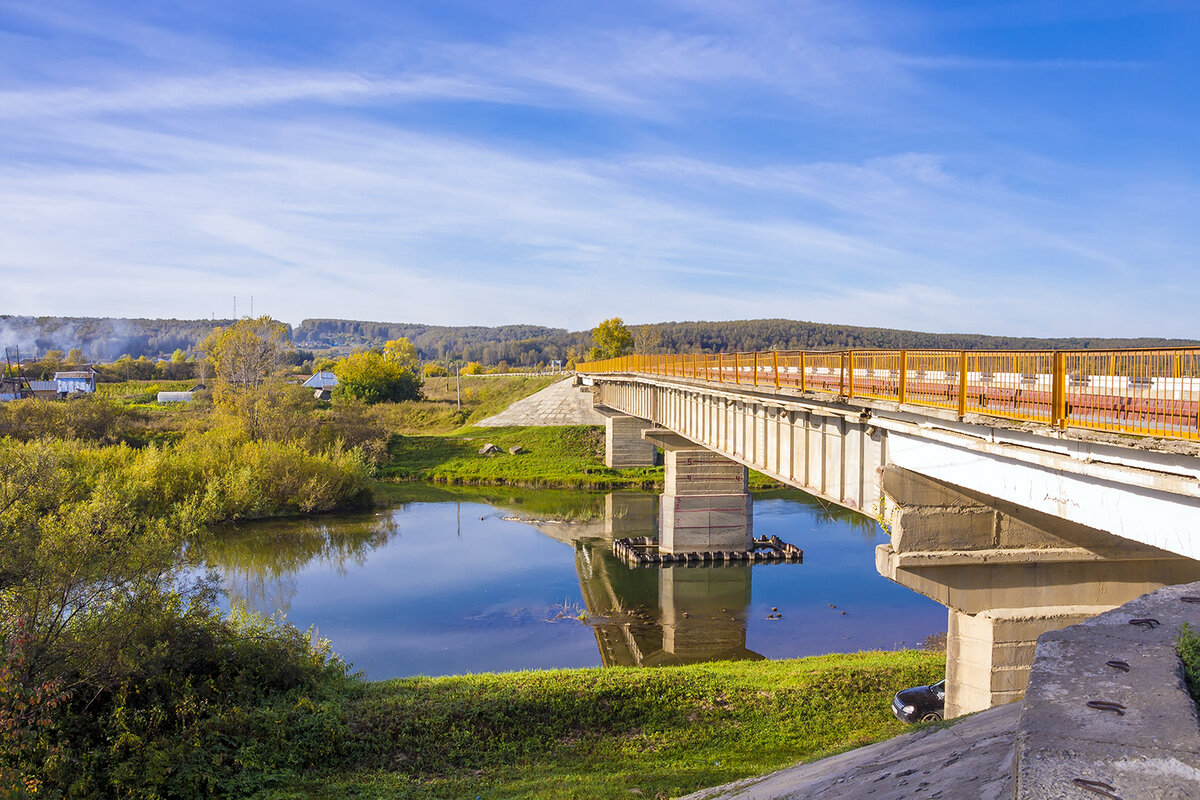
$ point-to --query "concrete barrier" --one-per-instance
(1107, 712)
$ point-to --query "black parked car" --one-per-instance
(920, 703)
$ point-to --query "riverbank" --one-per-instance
(610, 733)
(569, 456)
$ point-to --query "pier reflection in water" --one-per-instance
(652, 615)
(664, 615)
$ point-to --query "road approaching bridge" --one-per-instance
(1024, 490)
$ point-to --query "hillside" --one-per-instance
(107, 338)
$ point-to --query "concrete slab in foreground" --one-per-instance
(969, 760)
(561, 403)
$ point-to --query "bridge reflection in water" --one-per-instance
(654, 616)
(995, 611)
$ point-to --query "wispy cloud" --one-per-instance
(791, 160)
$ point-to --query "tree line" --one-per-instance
(140, 343)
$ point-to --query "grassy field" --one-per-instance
(603, 734)
(565, 456)
(559, 456)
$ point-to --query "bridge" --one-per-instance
(1024, 490)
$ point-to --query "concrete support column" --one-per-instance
(623, 443)
(705, 505)
(988, 655)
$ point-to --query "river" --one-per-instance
(451, 581)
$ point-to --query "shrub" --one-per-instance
(432, 370)
(117, 675)
(1187, 644)
(373, 378)
(91, 419)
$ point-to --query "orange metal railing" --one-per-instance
(1143, 392)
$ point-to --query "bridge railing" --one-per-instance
(1144, 392)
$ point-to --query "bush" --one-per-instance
(432, 370)
(373, 378)
(117, 676)
(91, 419)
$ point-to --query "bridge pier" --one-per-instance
(624, 446)
(705, 503)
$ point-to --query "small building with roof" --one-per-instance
(322, 381)
(75, 381)
(44, 388)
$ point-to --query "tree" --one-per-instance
(373, 378)
(472, 368)
(246, 355)
(611, 339)
(434, 370)
(246, 358)
(178, 357)
(646, 339)
(403, 352)
(75, 356)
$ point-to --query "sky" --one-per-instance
(1021, 168)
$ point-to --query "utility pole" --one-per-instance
(458, 375)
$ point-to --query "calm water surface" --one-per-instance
(483, 581)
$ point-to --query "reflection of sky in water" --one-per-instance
(838, 569)
(447, 592)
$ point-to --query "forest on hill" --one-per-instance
(105, 339)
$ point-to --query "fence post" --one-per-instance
(850, 373)
(1059, 393)
(720, 367)
(962, 383)
(775, 356)
(803, 382)
(756, 368)
(737, 368)
(903, 388)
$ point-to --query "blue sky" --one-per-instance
(1023, 168)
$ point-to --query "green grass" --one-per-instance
(601, 733)
(565, 456)
(141, 392)
(565, 504)
(1187, 645)
(558, 456)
